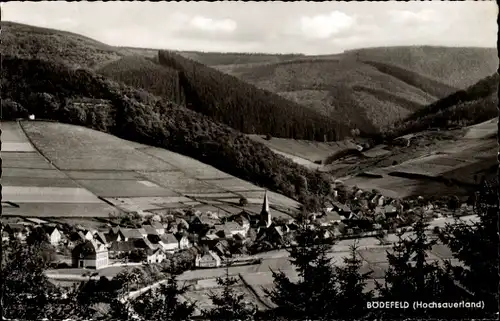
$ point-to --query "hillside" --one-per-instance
(473, 105)
(358, 94)
(456, 67)
(142, 72)
(90, 173)
(246, 108)
(31, 42)
(53, 91)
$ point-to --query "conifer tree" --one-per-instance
(476, 248)
(412, 277)
(229, 305)
(314, 295)
(352, 297)
(164, 303)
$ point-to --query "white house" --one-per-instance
(184, 242)
(155, 256)
(53, 234)
(208, 259)
(90, 254)
(169, 243)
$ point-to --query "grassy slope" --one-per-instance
(354, 92)
(47, 88)
(457, 67)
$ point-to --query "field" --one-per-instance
(86, 164)
(309, 150)
(78, 148)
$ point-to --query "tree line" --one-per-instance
(323, 291)
(244, 107)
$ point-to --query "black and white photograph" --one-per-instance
(249, 161)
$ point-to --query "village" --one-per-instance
(212, 241)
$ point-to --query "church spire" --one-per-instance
(265, 214)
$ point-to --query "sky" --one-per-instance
(275, 27)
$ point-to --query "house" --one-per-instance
(329, 218)
(89, 235)
(150, 230)
(116, 248)
(90, 254)
(184, 242)
(235, 228)
(126, 234)
(53, 234)
(340, 208)
(198, 221)
(207, 259)
(390, 211)
(221, 247)
(155, 256)
(272, 235)
(169, 242)
(101, 238)
(160, 229)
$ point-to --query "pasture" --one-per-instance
(33, 194)
(124, 188)
(77, 148)
(309, 150)
(85, 164)
(189, 165)
(181, 182)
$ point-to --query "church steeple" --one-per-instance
(265, 214)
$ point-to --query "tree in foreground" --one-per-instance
(229, 305)
(164, 303)
(27, 293)
(314, 295)
(352, 297)
(476, 248)
(411, 277)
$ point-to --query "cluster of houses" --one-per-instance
(213, 239)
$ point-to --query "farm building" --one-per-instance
(207, 259)
(169, 243)
(90, 254)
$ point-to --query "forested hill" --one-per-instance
(52, 90)
(467, 107)
(244, 107)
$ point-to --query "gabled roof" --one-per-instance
(150, 230)
(145, 244)
(340, 206)
(122, 246)
(131, 233)
(168, 238)
(100, 237)
(232, 226)
(157, 225)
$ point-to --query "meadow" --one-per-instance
(149, 179)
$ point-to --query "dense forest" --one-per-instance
(144, 73)
(473, 105)
(49, 89)
(246, 108)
